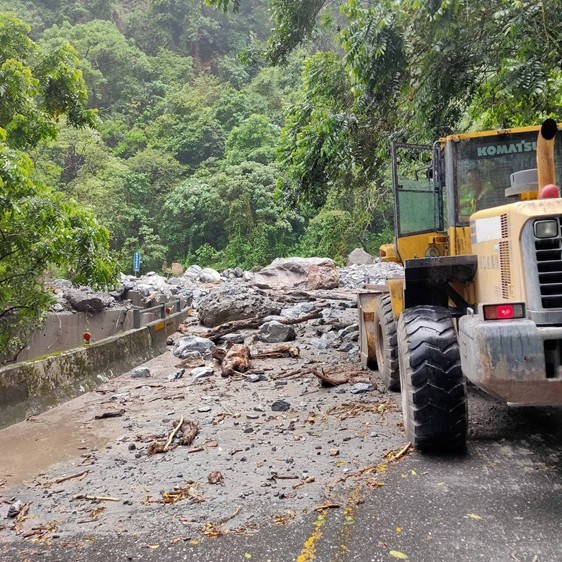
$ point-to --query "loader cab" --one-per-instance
(437, 188)
(478, 167)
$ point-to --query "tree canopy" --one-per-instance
(231, 136)
(39, 228)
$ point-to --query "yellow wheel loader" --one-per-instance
(479, 232)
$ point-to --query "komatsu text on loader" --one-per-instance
(479, 232)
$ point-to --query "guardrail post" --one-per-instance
(162, 311)
(136, 318)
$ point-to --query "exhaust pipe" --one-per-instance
(545, 154)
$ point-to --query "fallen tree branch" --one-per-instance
(97, 498)
(70, 477)
(278, 351)
(236, 361)
(330, 378)
(172, 434)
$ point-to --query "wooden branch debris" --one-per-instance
(396, 455)
(69, 477)
(186, 430)
(331, 378)
(325, 506)
(97, 498)
(173, 434)
(278, 351)
(111, 414)
(236, 360)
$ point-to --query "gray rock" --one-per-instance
(275, 332)
(280, 406)
(204, 409)
(209, 275)
(85, 300)
(346, 347)
(324, 341)
(201, 372)
(289, 273)
(140, 373)
(357, 276)
(15, 508)
(234, 302)
(253, 378)
(298, 310)
(360, 387)
(233, 338)
(351, 329)
(188, 344)
(359, 257)
(330, 315)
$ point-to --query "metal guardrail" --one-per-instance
(137, 311)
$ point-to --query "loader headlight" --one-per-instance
(546, 229)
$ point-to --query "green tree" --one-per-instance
(254, 140)
(38, 227)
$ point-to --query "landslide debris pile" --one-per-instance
(195, 284)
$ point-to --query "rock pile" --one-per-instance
(232, 294)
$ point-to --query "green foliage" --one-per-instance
(39, 228)
(115, 69)
(331, 234)
(253, 140)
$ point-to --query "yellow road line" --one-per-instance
(309, 549)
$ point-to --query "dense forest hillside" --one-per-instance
(232, 133)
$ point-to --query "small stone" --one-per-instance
(249, 430)
(275, 332)
(360, 388)
(334, 452)
(204, 409)
(340, 390)
(280, 406)
(253, 378)
(252, 416)
(201, 372)
(15, 508)
(140, 373)
(132, 446)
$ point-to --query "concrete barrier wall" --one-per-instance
(65, 330)
(28, 388)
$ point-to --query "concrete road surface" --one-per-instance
(501, 502)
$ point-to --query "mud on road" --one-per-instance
(268, 456)
(266, 452)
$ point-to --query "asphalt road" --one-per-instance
(500, 502)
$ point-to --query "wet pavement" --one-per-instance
(316, 482)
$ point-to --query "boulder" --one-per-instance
(85, 300)
(176, 269)
(183, 347)
(275, 332)
(291, 273)
(359, 257)
(209, 275)
(234, 302)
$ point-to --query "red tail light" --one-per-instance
(503, 311)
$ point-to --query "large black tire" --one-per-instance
(386, 343)
(433, 387)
